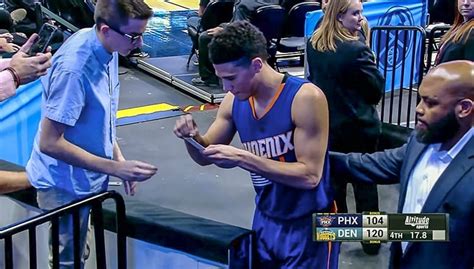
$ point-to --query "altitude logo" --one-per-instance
(417, 222)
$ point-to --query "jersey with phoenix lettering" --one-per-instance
(272, 136)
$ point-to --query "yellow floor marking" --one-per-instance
(169, 6)
(135, 111)
(157, 4)
(191, 4)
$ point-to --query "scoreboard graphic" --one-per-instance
(377, 227)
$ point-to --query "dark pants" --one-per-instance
(206, 70)
(366, 195)
(288, 244)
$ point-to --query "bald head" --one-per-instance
(456, 78)
(446, 109)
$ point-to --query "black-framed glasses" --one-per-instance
(133, 37)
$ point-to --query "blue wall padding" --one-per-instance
(19, 118)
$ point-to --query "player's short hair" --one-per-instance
(239, 41)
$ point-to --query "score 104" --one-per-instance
(351, 220)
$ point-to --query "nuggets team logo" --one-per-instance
(326, 235)
(393, 53)
(325, 221)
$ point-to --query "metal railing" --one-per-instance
(45, 12)
(399, 52)
(95, 202)
(433, 43)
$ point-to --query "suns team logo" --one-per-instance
(325, 221)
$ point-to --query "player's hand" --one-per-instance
(134, 170)
(224, 156)
(185, 126)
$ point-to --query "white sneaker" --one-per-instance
(18, 15)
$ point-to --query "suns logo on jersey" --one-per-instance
(270, 147)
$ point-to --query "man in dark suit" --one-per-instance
(434, 169)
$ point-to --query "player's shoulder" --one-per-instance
(225, 107)
(309, 92)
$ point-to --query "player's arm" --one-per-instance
(310, 116)
(221, 131)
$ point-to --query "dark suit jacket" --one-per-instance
(353, 86)
(453, 193)
(457, 51)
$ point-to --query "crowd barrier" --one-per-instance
(95, 203)
(433, 41)
(404, 70)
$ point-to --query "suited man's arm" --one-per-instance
(381, 167)
(367, 75)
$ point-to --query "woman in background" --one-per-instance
(343, 66)
(458, 42)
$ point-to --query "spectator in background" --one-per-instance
(364, 32)
(458, 42)
(10, 39)
(243, 10)
(26, 19)
(193, 22)
(8, 19)
(194, 19)
(344, 68)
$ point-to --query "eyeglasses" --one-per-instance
(133, 37)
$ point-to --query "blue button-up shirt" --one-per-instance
(80, 90)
